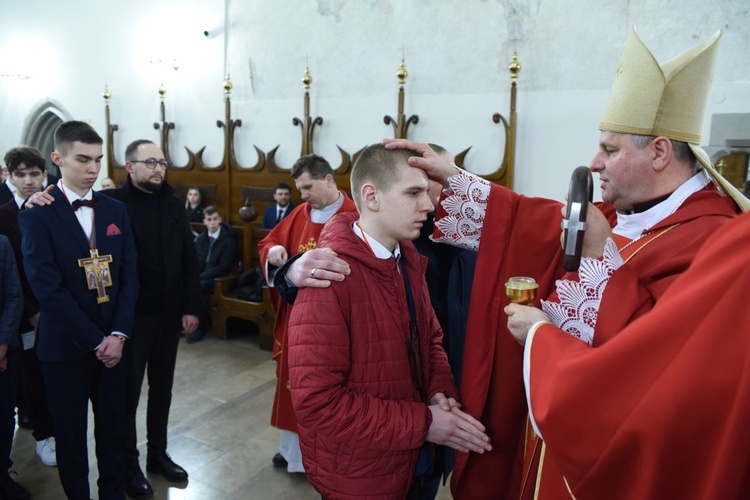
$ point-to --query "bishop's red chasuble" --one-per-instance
(660, 410)
(521, 237)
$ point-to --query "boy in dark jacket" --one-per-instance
(215, 248)
(216, 251)
(370, 382)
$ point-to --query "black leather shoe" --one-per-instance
(136, 485)
(166, 467)
(279, 461)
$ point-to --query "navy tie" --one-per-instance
(211, 242)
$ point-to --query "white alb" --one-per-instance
(577, 310)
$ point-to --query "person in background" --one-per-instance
(216, 250)
(108, 183)
(450, 274)
(11, 307)
(8, 190)
(299, 232)
(194, 204)
(282, 208)
(26, 174)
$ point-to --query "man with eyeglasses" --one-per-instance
(168, 304)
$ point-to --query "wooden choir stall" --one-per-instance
(242, 193)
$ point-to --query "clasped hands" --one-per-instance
(110, 351)
(455, 428)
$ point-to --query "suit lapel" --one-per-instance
(13, 213)
(100, 224)
(65, 212)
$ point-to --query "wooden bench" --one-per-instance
(225, 304)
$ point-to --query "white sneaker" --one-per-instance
(46, 451)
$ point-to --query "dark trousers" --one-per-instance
(424, 488)
(7, 409)
(207, 288)
(69, 387)
(37, 409)
(153, 346)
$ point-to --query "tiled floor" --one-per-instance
(218, 430)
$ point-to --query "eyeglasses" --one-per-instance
(151, 163)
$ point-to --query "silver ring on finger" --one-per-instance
(312, 273)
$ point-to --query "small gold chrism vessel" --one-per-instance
(521, 290)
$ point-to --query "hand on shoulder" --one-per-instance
(317, 269)
(40, 198)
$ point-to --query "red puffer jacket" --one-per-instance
(360, 416)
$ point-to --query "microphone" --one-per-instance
(580, 193)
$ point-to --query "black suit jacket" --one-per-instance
(9, 227)
(269, 215)
(72, 324)
(5, 194)
(179, 266)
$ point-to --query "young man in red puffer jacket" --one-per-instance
(370, 382)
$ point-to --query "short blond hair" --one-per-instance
(378, 166)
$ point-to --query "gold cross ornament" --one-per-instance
(96, 269)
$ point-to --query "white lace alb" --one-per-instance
(465, 209)
(578, 308)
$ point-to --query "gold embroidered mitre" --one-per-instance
(667, 100)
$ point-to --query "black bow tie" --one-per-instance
(84, 203)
